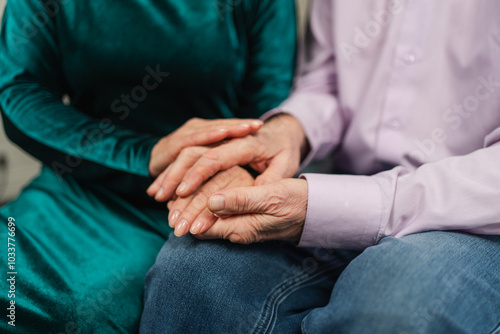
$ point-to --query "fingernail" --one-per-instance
(181, 187)
(217, 203)
(222, 130)
(174, 217)
(245, 125)
(153, 187)
(181, 228)
(257, 123)
(159, 194)
(196, 228)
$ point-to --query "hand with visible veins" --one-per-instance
(195, 132)
(275, 151)
(276, 211)
(190, 214)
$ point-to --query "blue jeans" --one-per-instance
(434, 282)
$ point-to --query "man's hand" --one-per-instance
(190, 214)
(275, 211)
(197, 132)
(275, 151)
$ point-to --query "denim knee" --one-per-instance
(184, 266)
(203, 286)
(218, 287)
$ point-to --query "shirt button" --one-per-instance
(394, 124)
(409, 58)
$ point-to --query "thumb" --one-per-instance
(280, 168)
(237, 201)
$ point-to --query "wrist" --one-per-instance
(291, 126)
(154, 167)
(297, 199)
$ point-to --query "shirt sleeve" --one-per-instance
(456, 193)
(272, 42)
(31, 88)
(313, 101)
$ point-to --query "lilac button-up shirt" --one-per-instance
(415, 84)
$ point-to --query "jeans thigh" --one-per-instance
(219, 287)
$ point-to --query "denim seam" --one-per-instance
(279, 293)
(496, 330)
(303, 326)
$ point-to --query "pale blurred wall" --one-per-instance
(17, 168)
(302, 8)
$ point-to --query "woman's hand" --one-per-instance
(276, 211)
(190, 214)
(275, 151)
(197, 132)
(163, 187)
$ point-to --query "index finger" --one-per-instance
(236, 152)
(212, 131)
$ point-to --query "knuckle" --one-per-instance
(243, 238)
(193, 120)
(185, 152)
(211, 155)
(242, 202)
(190, 152)
(192, 138)
(236, 239)
(202, 170)
(207, 165)
(247, 155)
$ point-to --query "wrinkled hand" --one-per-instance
(197, 132)
(275, 211)
(275, 151)
(190, 214)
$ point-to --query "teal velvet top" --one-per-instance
(135, 71)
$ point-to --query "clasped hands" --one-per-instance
(198, 171)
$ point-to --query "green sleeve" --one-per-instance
(272, 33)
(31, 90)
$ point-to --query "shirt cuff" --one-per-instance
(343, 212)
(319, 116)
